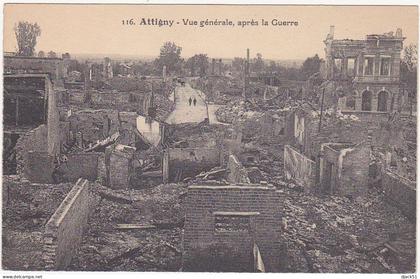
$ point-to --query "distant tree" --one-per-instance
(41, 54)
(238, 64)
(311, 66)
(170, 55)
(200, 62)
(410, 57)
(66, 55)
(191, 65)
(408, 73)
(52, 54)
(26, 34)
(258, 64)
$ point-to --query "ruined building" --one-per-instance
(365, 73)
(55, 67)
(30, 102)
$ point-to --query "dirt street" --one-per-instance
(184, 110)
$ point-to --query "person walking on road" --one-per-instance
(195, 101)
(190, 100)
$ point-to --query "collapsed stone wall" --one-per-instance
(80, 165)
(19, 64)
(267, 127)
(41, 143)
(217, 89)
(107, 99)
(130, 101)
(258, 210)
(88, 126)
(299, 168)
(120, 167)
(188, 162)
(237, 173)
(354, 178)
(64, 230)
(39, 167)
(344, 168)
(384, 133)
(350, 169)
(94, 125)
(35, 140)
(401, 192)
(53, 120)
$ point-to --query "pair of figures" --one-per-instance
(194, 101)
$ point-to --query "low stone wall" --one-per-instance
(368, 116)
(39, 167)
(237, 173)
(64, 230)
(299, 168)
(80, 165)
(401, 192)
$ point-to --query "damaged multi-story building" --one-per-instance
(360, 126)
(30, 103)
(365, 74)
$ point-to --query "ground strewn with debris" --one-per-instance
(156, 246)
(335, 234)
(26, 209)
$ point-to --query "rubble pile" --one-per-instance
(269, 167)
(335, 234)
(241, 110)
(235, 110)
(27, 207)
(194, 135)
(92, 125)
(215, 176)
(219, 89)
(125, 84)
(137, 230)
(164, 107)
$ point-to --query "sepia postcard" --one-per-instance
(209, 138)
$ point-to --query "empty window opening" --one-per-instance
(232, 224)
(382, 101)
(367, 101)
(368, 66)
(351, 66)
(350, 102)
(338, 66)
(385, 66)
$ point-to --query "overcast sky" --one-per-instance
(99, 28)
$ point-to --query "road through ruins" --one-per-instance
(186, 110)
